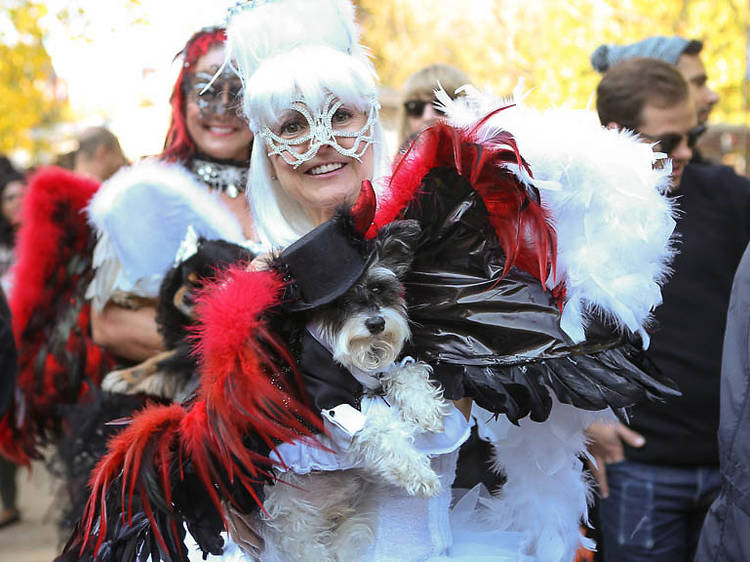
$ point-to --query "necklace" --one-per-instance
(227, 178)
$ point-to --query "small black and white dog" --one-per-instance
(366, 329)
(323, 515)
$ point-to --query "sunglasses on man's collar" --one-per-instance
(669, 142)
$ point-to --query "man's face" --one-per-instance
(694, 73)
(667, 126)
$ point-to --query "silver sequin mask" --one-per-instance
(302, 134)
(216, 95)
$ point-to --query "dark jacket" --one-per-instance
(8, 360)
(686, 340)
(726, 531)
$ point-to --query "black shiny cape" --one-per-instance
(495, 338)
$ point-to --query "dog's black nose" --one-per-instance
(375, 325)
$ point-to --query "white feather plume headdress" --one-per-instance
(284, 50)
(606, 198)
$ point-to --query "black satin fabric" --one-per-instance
(497, 338)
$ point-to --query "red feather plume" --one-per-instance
(243, 392)
(521, 224)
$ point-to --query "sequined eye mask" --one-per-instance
(320, 130)
(215, 95)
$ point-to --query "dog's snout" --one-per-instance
(375, 324)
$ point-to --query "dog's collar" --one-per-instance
(229, 178)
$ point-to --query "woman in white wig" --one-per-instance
(521, 233)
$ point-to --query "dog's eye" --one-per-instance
(375, 290)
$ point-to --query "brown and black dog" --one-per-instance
(172, 373)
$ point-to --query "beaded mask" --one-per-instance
(301, 134)
(215, 94)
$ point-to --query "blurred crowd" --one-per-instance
(671, 478)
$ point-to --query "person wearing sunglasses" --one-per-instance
(658, 476)
(684, 55)
(418, 109)
(662, 115)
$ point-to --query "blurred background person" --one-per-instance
(9, 512)
(684, 55)
(418, 97)
(98, 154)
(659, 474)
(12, 189)
(208, 149)
(726, 530)
(66, 160)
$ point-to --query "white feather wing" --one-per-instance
(613, 220)
(141, 215)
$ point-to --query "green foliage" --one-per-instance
(548, 42)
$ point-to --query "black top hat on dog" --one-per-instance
(322, 265)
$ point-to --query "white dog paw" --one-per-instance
(428, 414)
(424, 483)
(119, 381)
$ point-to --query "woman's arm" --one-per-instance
(128, 333)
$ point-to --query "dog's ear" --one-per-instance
(396, 243)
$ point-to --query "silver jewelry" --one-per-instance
(227, 178)
(322, 132)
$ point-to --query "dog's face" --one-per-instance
(368, 325)
(176, 299)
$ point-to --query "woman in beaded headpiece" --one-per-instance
(209, 139)
(517, 244)
(139, 218)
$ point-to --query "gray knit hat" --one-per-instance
(667, 49)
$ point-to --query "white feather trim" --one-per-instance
(607, 201)
(140, 217)
(546, 494)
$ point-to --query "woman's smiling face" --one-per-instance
(321, 176)
(212, 119)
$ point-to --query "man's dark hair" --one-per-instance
(94, 137)
(693, 48)
(627, 87)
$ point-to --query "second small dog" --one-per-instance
(323, 515)
(172, 374)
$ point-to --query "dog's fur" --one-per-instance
(323, 515)
(172, 374)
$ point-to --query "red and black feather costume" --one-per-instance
(482, 318)
(51, 317)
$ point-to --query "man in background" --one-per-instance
(684, 55)
(99, 154)
(659, 475)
